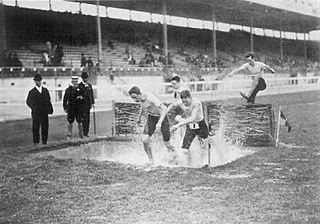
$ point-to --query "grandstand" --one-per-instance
(27, 31)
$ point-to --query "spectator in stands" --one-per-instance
(48, 48)
(162, 58)
(46, 59)
(73, 104)
(83, 62)
(9, 61)
(15, 61)
(131, 60)
(58, 54)
(88, 102)
(90, 65)
(170, 60)
(149, 58)
(256, 68)
(111, 44)
(39, 102)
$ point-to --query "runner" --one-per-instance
(256, 68)
(157, 119)
(193, 118)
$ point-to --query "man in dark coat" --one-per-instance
(88, 102)
(72, 105)
(39, 102)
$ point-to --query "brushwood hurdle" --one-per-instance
(249, 124)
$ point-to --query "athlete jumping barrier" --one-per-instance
(250, 125)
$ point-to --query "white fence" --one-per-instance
(107, 92)
(280, 85)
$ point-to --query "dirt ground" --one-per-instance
(274, 185)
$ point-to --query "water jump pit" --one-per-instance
(237, 131)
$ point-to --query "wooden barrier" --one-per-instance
(251, 125)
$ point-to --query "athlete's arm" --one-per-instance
(242, 67)
(269, 68)
(163, 113)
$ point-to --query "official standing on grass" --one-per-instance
(88, 102)
(39, 102)
(72, 105)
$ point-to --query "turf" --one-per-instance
(274, 185)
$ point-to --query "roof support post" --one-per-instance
(251, 34)
(3, 30)
(165, 31)
(305, 51)
(99, 33)
(281, 42)
(214, 38)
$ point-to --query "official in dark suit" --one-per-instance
(39, 102)
(88, 102)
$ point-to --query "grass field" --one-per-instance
(274, 185)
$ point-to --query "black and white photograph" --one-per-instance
(160, 111)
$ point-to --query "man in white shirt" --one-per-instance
(157, 119)
(193, 118)
(256, 68)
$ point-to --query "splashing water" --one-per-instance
(222, 151)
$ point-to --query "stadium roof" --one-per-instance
(236, 12)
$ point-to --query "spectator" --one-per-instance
(131, 60)
(73, 105)
(88, 102)
(83, 61)
(39, 102)
(58, 54)
(111, 44)
(162, 58)
(10, 60)
(90, 66)
(46, 59)
(149, 58)
(15, 61)
(111, 76)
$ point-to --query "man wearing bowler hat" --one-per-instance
(39, 102)
(88, 102)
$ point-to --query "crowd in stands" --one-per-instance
(52, 56)
(192, 46)
(89, 65)
(10, 60)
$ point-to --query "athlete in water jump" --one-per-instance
(256, 68)
(193, 119)
(157, 119)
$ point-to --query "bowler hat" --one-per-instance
(37, 77)
(84, 75)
